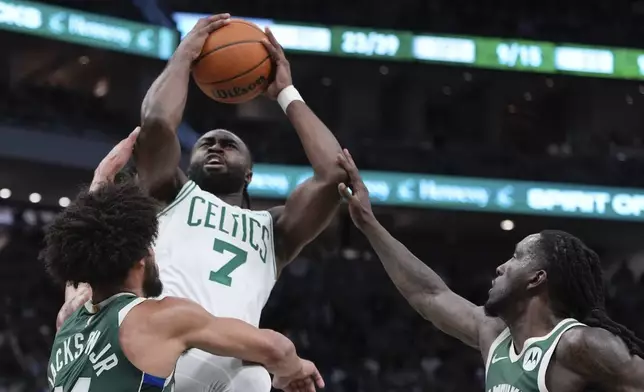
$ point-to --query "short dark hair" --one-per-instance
(99, 237)
(576, 285)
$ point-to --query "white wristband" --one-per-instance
(288, 95)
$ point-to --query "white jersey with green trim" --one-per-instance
(222, 257)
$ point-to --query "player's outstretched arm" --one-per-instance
(309, 209)
(158, 151)
(104, 173)
(182, 324)
(601, 359)
(425, 291)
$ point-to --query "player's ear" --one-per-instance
(538, 279)
(249, 176)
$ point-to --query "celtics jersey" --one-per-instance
(87, 355)
(222, 257)
(216, 254)
(507, 371)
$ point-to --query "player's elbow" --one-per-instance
(152, 120)
(332, 176)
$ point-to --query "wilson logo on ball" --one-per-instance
(239, 91)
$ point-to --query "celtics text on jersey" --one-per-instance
(507, 371)
(87, 357)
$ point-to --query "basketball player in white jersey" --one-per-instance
(211, 248)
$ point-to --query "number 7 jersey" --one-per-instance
(216, 254)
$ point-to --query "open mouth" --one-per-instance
(214, 161)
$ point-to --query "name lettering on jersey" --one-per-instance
(241, 226)
(103, 361)
(504, 388)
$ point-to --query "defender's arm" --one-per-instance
(425, 291)
(428, 294)
(191, 326)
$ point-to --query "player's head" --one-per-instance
(221, 163)
(519, 278)
(562, 270)
(105, 238)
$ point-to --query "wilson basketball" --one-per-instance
(234, 66)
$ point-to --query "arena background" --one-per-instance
(478, 124)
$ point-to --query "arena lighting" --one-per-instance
(5, 193)
(64, 201)
(507, 225)
(35, 198)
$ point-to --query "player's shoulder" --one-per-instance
(276, 212)
(163, 315)
(589, 339)
(585, 348)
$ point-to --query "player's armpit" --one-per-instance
(601, 359)
(194, 327)
(307, 212)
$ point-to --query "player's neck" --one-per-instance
(535, 320)
(235, 199)
(100, 295)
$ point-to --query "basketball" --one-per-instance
(234, 66)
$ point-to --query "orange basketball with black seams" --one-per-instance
(234, 66)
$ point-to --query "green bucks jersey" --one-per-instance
(87, 355)
(507, 371)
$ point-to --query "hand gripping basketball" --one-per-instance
(192, 44)
(283, 73)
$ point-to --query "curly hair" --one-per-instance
(576, 284)
(101, 235)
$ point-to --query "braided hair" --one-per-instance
(576, 284)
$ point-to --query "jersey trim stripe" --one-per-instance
(187, 189)
(495, 344)
(529, 342)
(543, 367)
(141, 383)
(123, 312)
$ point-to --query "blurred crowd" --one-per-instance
(339, 308)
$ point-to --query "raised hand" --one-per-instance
(356, 193)
(75, 297)
(283, 72)
(304, 381)
(114, 161)
(191, 45)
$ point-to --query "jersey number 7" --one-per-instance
(222, 275)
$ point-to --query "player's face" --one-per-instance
(515, 278)
(152, 286)
(220, 162)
